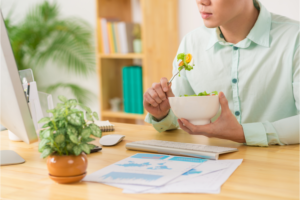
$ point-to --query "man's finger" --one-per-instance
(149, 100)
(200, 129)
(190, 126)
(184, 127)
(154, 95)
(158, 89)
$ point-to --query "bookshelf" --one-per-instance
(159, 41)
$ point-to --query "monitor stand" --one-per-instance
(9, 157)
(13, 137)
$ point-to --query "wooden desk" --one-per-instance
(266, 173)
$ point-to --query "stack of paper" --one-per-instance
(156, 173)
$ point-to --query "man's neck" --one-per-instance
(239, 27)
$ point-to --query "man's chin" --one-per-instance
(209, 24)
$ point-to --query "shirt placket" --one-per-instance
(234, 83)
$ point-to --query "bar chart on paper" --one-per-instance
(120, 176)
(142, 169)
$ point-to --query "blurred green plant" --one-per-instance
(43, 36)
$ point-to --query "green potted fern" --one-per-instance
(65, 138)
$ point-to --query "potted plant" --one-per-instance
(137, 42)
(65, 140)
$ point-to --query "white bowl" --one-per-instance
(198, 110)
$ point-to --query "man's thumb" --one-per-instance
(223, 101)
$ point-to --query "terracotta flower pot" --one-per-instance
(67, 169)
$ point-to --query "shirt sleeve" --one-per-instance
(284, 131)
(180, 86)
(168, 123)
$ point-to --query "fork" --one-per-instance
(173, 77)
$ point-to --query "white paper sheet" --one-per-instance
(204, 168)
(208, 183)
(145, 170)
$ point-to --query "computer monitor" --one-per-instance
(14, 111)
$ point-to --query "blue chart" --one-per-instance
(192, 171)
(150, 156)
(133, 164)
(121, 176)
(159, 167)
(188, 159)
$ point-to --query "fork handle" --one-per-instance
(173, 77)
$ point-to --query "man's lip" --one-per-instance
(205, 15)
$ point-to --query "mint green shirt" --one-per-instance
(259, 76)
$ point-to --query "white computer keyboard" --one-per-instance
(186, 146)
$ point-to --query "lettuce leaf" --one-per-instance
(201, 94)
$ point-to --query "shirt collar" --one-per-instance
(260, 33)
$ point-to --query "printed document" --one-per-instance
(145, 169)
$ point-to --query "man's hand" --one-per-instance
(156, 99)
(225, 127)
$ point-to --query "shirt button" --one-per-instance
(235, 48)
(234, 80)
(237, 113)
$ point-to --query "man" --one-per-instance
(252, 57)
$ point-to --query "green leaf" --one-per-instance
(202, 94)
(60, 105)
(71, 130)
(215, 92)
(74, 139)
(85, 140)
(59, 138)
(89, 117)
(180, 56)
(51, 111)
(86, 132)
(62, 98)
(46, 133)
(46, 125)
(85, 148)
(74, 119)
(46, 152)
(44, 120)
(70, 147)
(87, 109)
(61, 131)
(74, 110)
(91, 146)
(61, 123)
(95, 115)
(77, 150)
(96, 131)
(73, 103)
(42, 144)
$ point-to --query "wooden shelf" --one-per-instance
(122, 56)
(122, 115)
(159, 34)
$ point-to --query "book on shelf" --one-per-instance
(116, 36)
(132, 89)
(104, 34)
